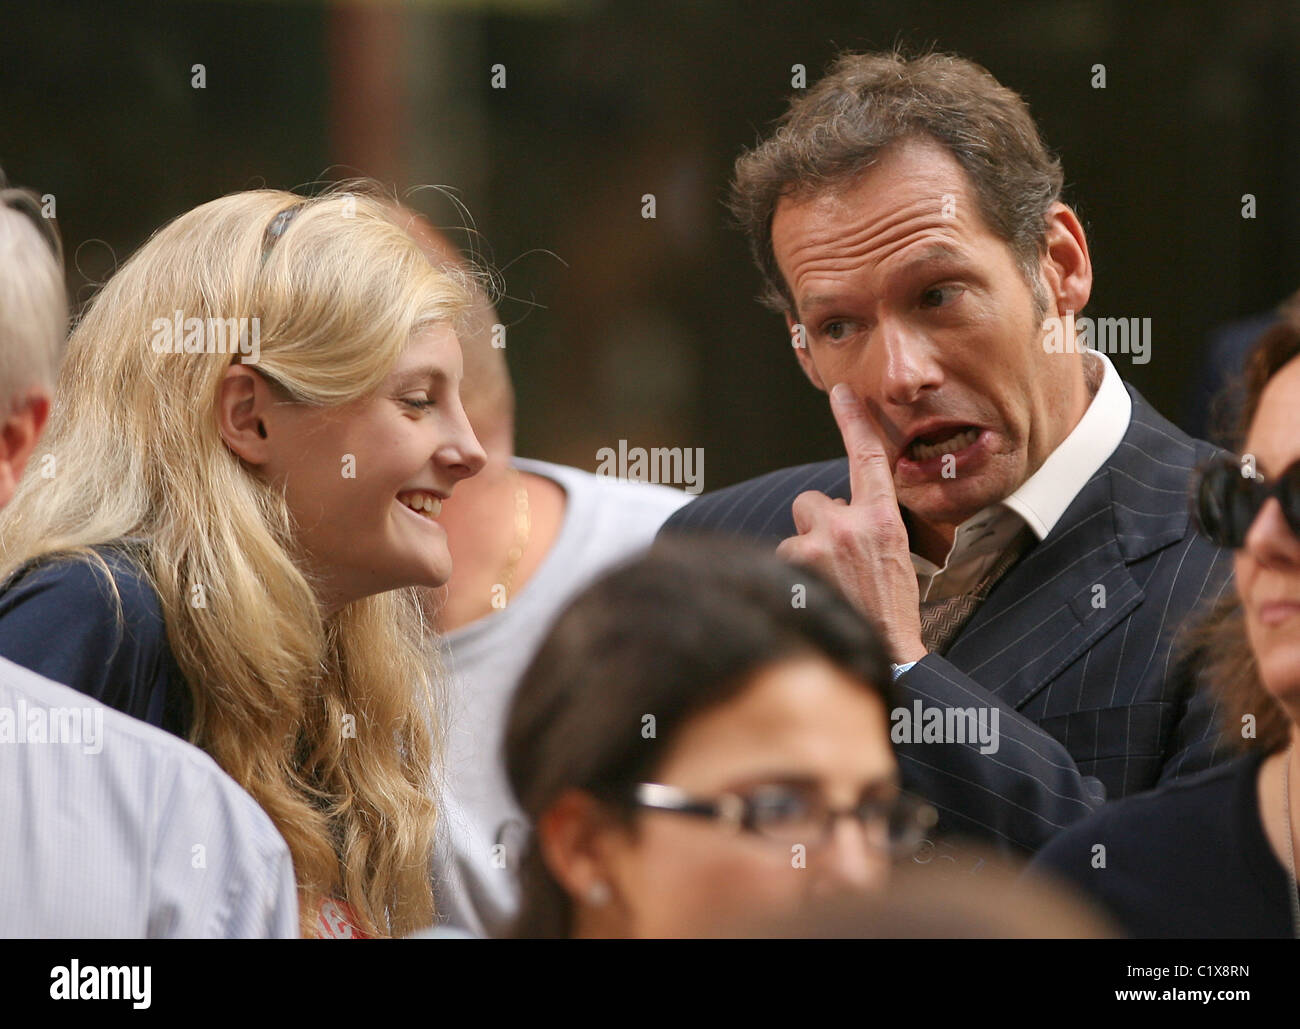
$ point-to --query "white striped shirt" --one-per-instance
(111, 828)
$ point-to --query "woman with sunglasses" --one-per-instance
(1215, 855)
(703, 738)
(220, 534)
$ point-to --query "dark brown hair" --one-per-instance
(1219, 643)
(867, 102)
(670, 634)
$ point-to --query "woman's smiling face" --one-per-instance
(365, 481)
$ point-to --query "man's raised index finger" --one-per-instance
(869, 471)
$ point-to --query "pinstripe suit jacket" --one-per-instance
(1094, 700)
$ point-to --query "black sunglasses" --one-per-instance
(1229, 494)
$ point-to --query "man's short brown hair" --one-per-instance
(867, 102)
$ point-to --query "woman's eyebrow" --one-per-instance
(885, 783)
(418, 377)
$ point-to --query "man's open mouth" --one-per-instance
(942, 441)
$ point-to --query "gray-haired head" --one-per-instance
(33, 300)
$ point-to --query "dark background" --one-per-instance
(646, 330)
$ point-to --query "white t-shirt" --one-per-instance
(115, 829)
(482, 830)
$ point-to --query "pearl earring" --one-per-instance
(598, 893)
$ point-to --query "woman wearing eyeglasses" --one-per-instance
(255, 426)
(704, 737)
(1215, 855)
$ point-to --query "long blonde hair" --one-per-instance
(328, 722)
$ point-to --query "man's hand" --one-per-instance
(862, 546)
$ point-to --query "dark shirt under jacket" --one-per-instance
(1093, 700)
(1190, 860)
(58, 618)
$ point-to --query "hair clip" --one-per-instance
(277, 228)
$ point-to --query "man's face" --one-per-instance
(908, 297)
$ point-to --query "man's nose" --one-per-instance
(910, 367)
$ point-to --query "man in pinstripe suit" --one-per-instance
(1010, 513)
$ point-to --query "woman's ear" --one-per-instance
(243, 401)
(575, 838)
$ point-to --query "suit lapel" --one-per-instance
(1075, 586)
(1061, 598)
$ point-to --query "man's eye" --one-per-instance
(835, 331)
(937, 296)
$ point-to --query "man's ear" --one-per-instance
(243, 400)
(799, 343)
(1067, 266)
(572, 836)
(18, 438)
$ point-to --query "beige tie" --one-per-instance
(941, 620)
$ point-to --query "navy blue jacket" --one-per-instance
(58, 617)
(1093, 701)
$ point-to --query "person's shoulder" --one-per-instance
(631, 497)
(1154, 437)
(107, 575)
(132, 740)
(170, 795)
(175, 765)
(1142, 813)
(101, 606)
(1187, 793)
(1150, 473)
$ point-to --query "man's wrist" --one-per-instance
(910, 653)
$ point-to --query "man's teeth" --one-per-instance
(926, 451)
(422, 503)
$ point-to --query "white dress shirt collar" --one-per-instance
(1041, 500)
(1044, 496)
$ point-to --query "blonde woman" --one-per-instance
(254, 428)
